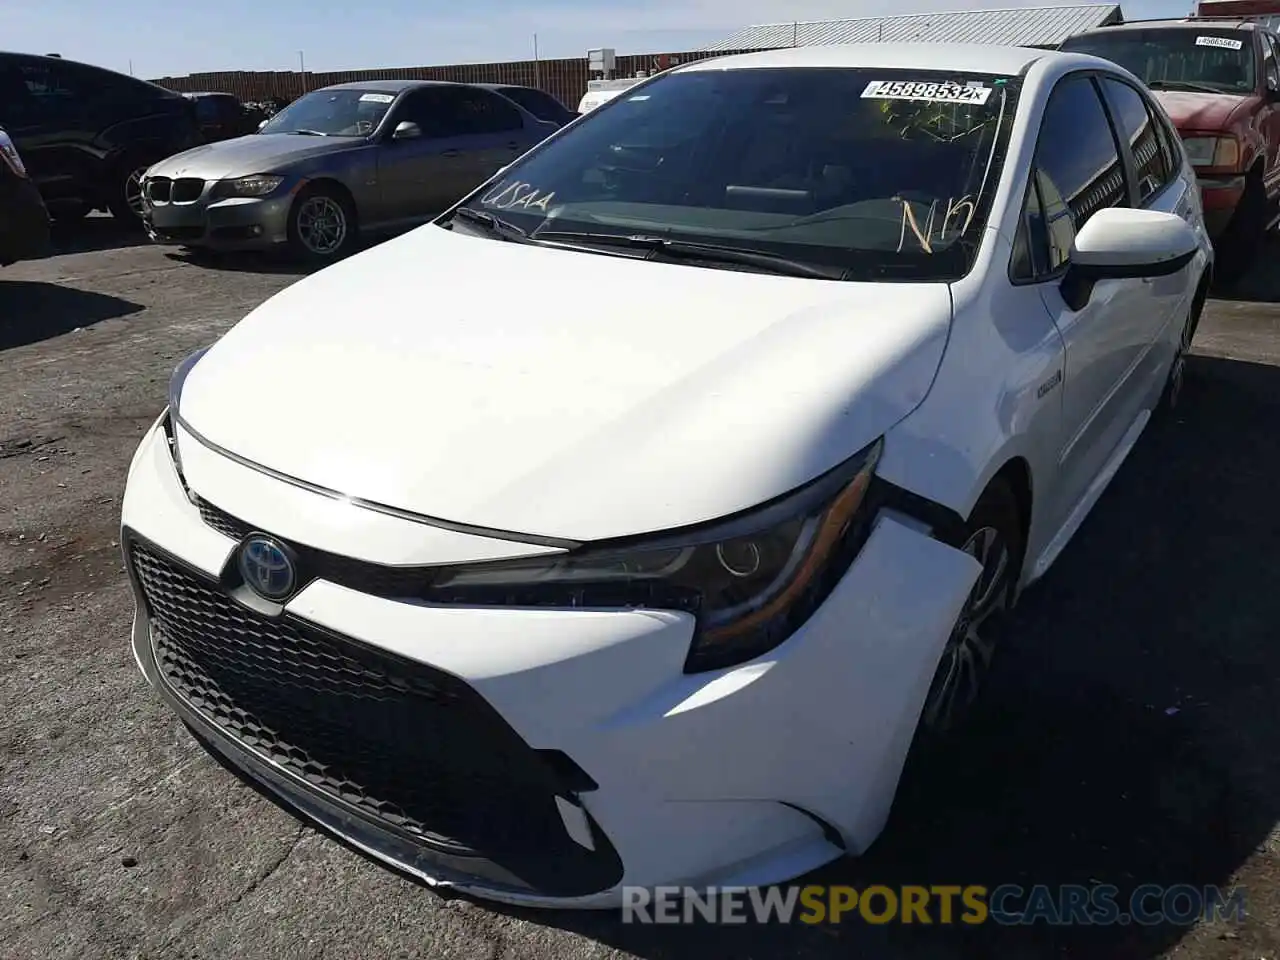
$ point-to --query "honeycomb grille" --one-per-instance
(405, 745)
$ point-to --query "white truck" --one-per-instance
(602, 91)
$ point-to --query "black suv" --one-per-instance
(222, 116)
(24, 224)
(87, 134)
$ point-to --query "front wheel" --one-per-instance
(322, 225)
(1177, 371)
(125, 201)
(1245, 233)
(994, 538)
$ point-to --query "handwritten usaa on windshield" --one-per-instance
(517, 195)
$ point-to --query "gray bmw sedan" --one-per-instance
(375, 155)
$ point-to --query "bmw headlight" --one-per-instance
(1213, 151)
(751, 580)
(258, 185)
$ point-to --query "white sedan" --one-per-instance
(632, 522)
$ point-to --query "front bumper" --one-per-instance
(1220, 195)
(24, 222)
(745, 776)
(199, 220)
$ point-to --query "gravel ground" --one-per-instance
(1130, 735)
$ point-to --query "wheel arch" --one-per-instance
(332, 185)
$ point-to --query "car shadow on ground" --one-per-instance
(1127, 736)
(1261, 282)
(241, 262)
(260, 261)
(31, 311)
(95, 233)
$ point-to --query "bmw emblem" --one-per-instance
(267, 567)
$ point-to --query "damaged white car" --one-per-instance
(629, 523)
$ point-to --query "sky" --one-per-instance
(158, 38)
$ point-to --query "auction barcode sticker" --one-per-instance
(928, 92)
(376, 98)
(1225, 42)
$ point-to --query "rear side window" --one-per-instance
(1139, 128)
(485, 112)
(206, 109)
(541, 105)
(1077, 172)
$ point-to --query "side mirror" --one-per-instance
(262, 124)
(406, 130)
(1120, 243)
(1273, 92)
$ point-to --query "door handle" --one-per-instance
(449, 153)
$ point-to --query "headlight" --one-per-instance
(1213, 151)
(751, 580)
(9, 155)
(258, 185)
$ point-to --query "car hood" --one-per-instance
(560, 393)
(1199, 112)
(242, 156)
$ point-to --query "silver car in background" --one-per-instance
(355, 157)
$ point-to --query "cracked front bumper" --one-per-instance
(746, 776)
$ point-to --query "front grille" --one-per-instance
(158, 189)
(187, 190)
(403, 745)
(375, 579)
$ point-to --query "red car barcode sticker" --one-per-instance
(1225, 42)
(926, 91)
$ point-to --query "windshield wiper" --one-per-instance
(690, 250)
(308, 133)
(1183, 85)
(491, 224)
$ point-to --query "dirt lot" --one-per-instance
(1130, 737)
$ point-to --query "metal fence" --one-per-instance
(564, 79)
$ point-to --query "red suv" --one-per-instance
(1219, 82)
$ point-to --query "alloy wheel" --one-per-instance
(971, 645)
(133, 191)
(322, 225)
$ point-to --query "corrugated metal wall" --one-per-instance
(564, 79)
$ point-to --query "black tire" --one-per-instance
(1177, 371)
(1245, 234)
(312, 242)
(124, 192)
(994, 536)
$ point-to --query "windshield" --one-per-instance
(1215, 61)
(886, 173)
(332, 113)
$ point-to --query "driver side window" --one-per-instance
(1077, 172)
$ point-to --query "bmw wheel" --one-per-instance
(322, 225)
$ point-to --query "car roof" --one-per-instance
(209, 93)
(961, 57)
(1206, 23)
(388, 86)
